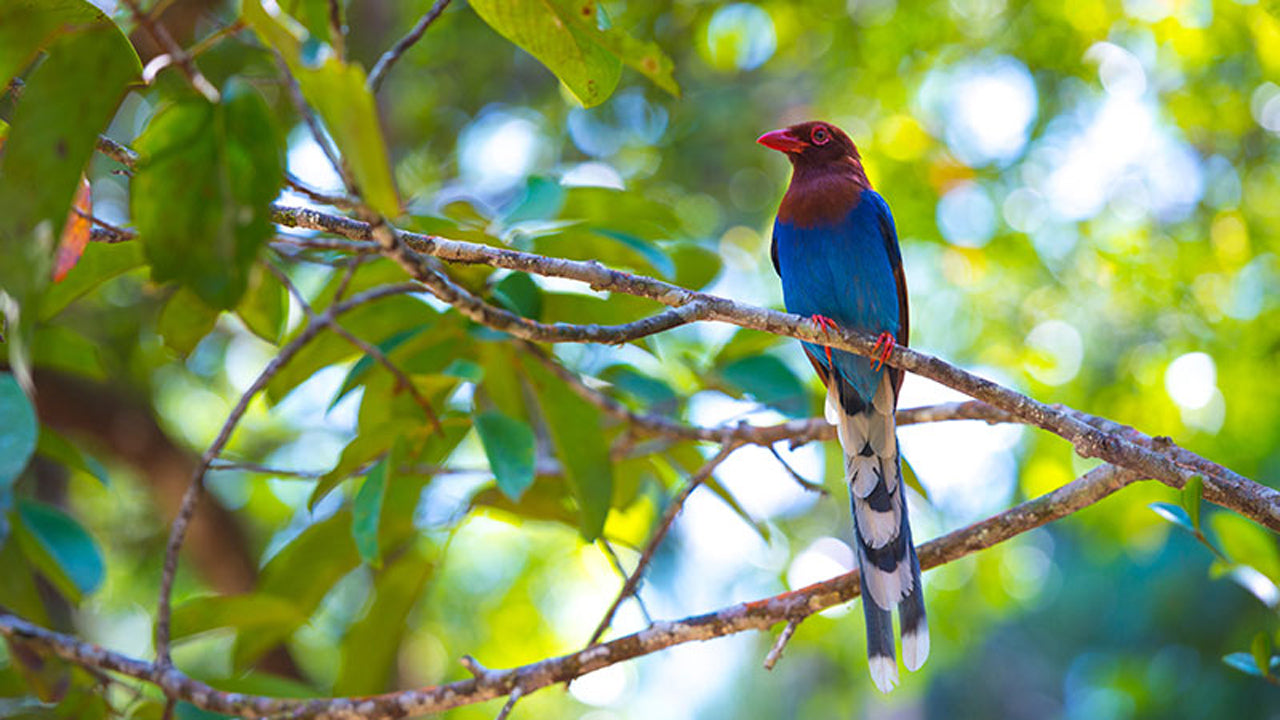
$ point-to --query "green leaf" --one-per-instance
(52, 445)
(550, 31)
(18, 431)
(58, 347)
(1247, 543)
(371, 644)
(67, 100)
(464, 370)
(367, 511)
(655, 395)
(251, 612)
(28, 25)
(652, 254)
(913, 480)
(577, 434)
(518, 293)
(1191, 499)
(366, 363)
(295, 574)
(511, 448)
(338, 93)
(18, 591)
(185, 320)
(696, 266)
(62, 550)
(542, 199)
(100, 263)
(575, 40)
(1174, 514)
(314, 16)
(769, 381)
(374, 323)
(645, 58)
(364, 448)
(547, 500)
(1262, 652)
(745, 342)
(202, 192)
(264, 307)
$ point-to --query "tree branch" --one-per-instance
(1158, 460)
(194, 491)
(632, 584)
(389, 58)
(488, 684)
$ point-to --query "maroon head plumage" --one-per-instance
(827, 175)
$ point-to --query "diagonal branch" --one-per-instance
(673, 509)
(178, 531)
(389, 58)
(176, 54)
(488, 684)
(402, 380)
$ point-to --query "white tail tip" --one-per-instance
(915, 648)
(884, 673)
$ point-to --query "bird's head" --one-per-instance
(813, 145)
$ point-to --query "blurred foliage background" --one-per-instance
(1088, 200)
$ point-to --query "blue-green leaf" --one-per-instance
(518, 293)
(18, 430)
(60, 548)
(1243, 662)
(511, 448)
(769, 381)
(1174, 514)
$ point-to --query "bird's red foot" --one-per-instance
(882, 350)
(826, 325)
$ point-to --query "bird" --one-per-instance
(836, 250)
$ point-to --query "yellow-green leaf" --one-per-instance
(339, 95)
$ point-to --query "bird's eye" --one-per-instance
(821, 136)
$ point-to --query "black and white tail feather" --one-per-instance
(886, 556)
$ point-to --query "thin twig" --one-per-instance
(775, 653)
(347, 273)
(338, 201)
(800, 479)
(294, 92)
(616, 562)
(673, 509)
(215, 37)
(337, 38)
(175, 52)
(114, 230)
(114, 150)
(178, 531)
(402, 380)
(510, 705)
(219, 464)
(389, 58)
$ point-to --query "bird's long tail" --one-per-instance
(886, 557)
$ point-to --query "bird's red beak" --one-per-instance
(782, 140)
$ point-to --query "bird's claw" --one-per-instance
(826, 325)
(881, 351)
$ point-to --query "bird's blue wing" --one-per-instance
(849, 271)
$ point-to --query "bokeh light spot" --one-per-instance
(1191, 380)
(740, 36)
(966, 216)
